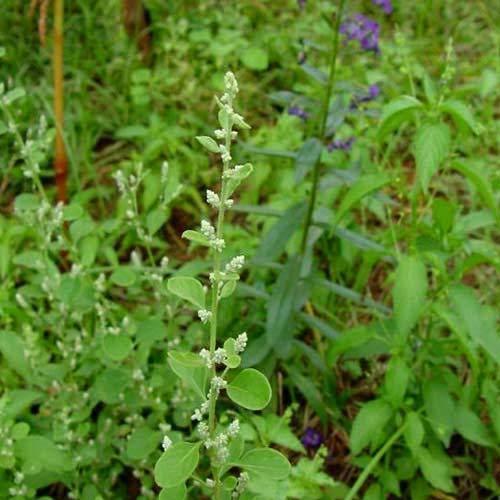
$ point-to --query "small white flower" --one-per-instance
(235, 264)
(219, 133)
(218, 383)
(213, 199)
(203, 430)
(229, 203)
(217, 244)
(205, 355)
(207, 229)
(225, 155)
(210, 483)
(241, 342)
(166, 443)
(234, 428)
(220, 355)
(204, 315)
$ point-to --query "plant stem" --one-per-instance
(323, 122)
(373, 462)
(61, 159)
(219, 231)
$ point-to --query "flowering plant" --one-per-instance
(208, 373)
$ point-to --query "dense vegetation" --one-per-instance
(285, 292)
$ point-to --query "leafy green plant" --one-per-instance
(248, 388)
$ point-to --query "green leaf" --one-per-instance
(178, 492)
(440, 409)
(116, 347)
(123, 276)
(431, 146)
(480, 326)
(228, 289)
(12, 348)
(236, 178)
(142, 442)
(461, 114)
(265, 462)
(208, 143)
(155, 220)
(151, 330)
(308, 388)
(13, 95)
(80, 228)
(307, 156)
(250, 389)
(279, 330)
(435, 470)
(40, 453)
(196, 237)
(177, 464)
(189, 289)
(471, 427)
(397, 112)
(370, 420)
(396, 381)
(191, 368)
(362, 187)
(110, 383)
(19, 430)
(26, 202)
(413, 431)
(274, 242)
(255, 58)
(474, 174)
(409, 294)
(88, 247)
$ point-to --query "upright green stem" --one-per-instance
(323, 122)
(373, 462)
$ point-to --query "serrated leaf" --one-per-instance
(435, 470)
(483, 185)
(189, 289)
(481, 327)
(361, 188)
(250, 389)
(440, 409)
(461, 114)
(177, 464)
(471, 427)
(431, 146)
(396, 112)
(396, 381)
(414, 431)
(370, 420)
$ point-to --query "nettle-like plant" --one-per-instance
(209, 372)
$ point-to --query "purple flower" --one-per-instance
(339, 144)
(373, 91)
(301, 4)
(364, 30)
(312, 438)
(385, 4)
(299, 112)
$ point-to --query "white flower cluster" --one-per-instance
(201, 411)
(204, 315)
(166, 443)
(240, 485)
(235, 264)
(208, 231)
(213, 199)
(241, 342)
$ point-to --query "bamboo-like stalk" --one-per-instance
(60, 159)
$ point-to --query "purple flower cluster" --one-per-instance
(373, 93)
(364, 30)
(312, 438)
(341, 145)
(385, 4)
(299, 112)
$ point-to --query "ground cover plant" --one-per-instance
(286, 291)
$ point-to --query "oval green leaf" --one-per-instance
(177, 464)
(250, 389)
